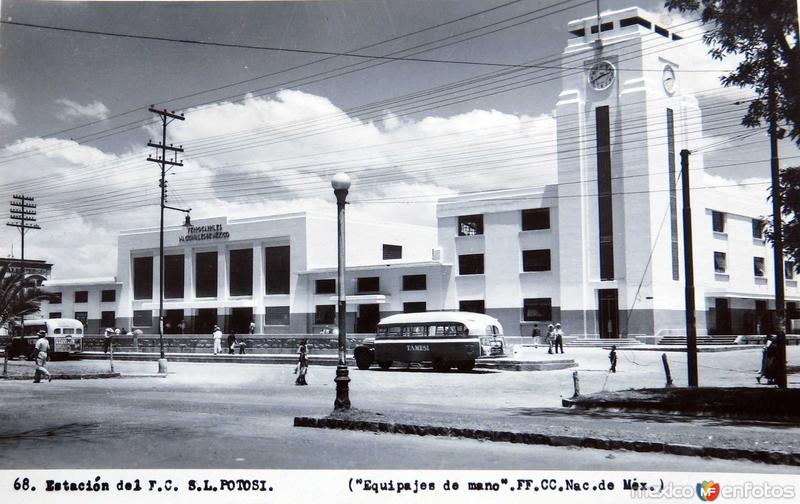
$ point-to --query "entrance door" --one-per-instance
(205, 320)
(608, 312)
(240, 320)
(172, 321)
(368, 317)
(761, 317)
(723, 315)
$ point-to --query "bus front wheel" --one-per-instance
(466, 366)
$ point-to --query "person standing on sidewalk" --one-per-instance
(42, 347)
(550, 337)
(217, 334)
(559, 334)
(612, 357)
(252, 328)
(536, 334)
(107, 339)
(302, 363)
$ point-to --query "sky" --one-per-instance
(265, 129)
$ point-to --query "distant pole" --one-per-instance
(667, 372)
(688, 264)
(23, 217)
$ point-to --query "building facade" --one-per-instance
(600, 250)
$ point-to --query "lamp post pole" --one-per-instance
(341, 184)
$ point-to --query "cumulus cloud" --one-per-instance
(74, 110)
(6, 108)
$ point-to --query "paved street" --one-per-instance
(240, 415)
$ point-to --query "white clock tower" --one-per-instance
(621, 124)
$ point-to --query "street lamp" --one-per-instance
(162, 361)
(340, 184)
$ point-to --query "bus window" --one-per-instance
(418, 331)
(393, 331)
(68, 330)
(79, 331)
(381, 331)
(57, 330)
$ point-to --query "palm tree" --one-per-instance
(16, 298)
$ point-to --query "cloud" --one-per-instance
(74, 110)
(6, 107)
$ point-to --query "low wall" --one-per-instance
(204, 343)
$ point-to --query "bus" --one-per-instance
(65, 337)
(444, 339)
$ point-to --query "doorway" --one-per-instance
(368, 317)
(608, 313)
(723, 315)
(205, 321)
(240, 320)
(172, 321)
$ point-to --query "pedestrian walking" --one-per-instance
(231, 343)
(559, 334)
(764, 352)
(252, 328)
(217, 334)
(612, 357)
(302, 363)
(109, 333)
(42, 347)
(550, 337)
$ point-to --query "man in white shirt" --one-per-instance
(217, 340)
(42, 347)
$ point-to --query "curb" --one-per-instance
(768, 457)
(88, 376)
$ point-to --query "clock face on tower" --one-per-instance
(601, 75)
(668, 79)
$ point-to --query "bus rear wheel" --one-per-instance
(385, 364)
(466, 366)
(363, 362)
(441, 366)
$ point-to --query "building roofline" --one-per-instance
(68, 282)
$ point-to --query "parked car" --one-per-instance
(20, 347)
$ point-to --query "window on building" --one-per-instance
(325, 286)
(173, 276)
(718, 221)
(415, 282)
(758, 228)
(205, 284)
(537, 309)
(108, 319)
(83, 317)
(792, 313)
(241, 272)
(758, 266)
(720, 265)
(55, 314)
(536, 260)
(81, 296)
(470, 225)
(474, 306)
(55, 298)
(143, 277)
(368, 285)
(535, 218)
(277, 269)
(108, 296)
(325, 314)
(470, 264)
(392, 251)
(605, 206)
(415, 307)
(276, 315)
(788, 270)
(142, 318)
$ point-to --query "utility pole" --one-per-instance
(23, 217)
(777, 229)
(688, 266)
(166, 118)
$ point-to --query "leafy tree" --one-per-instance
(17, 299)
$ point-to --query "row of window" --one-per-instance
(721, 266)
(370, 285)
(240, 273)
(532, 219)
(106, 296)
(718, 223)
(532, 260)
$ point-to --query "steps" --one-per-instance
(716, 339)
